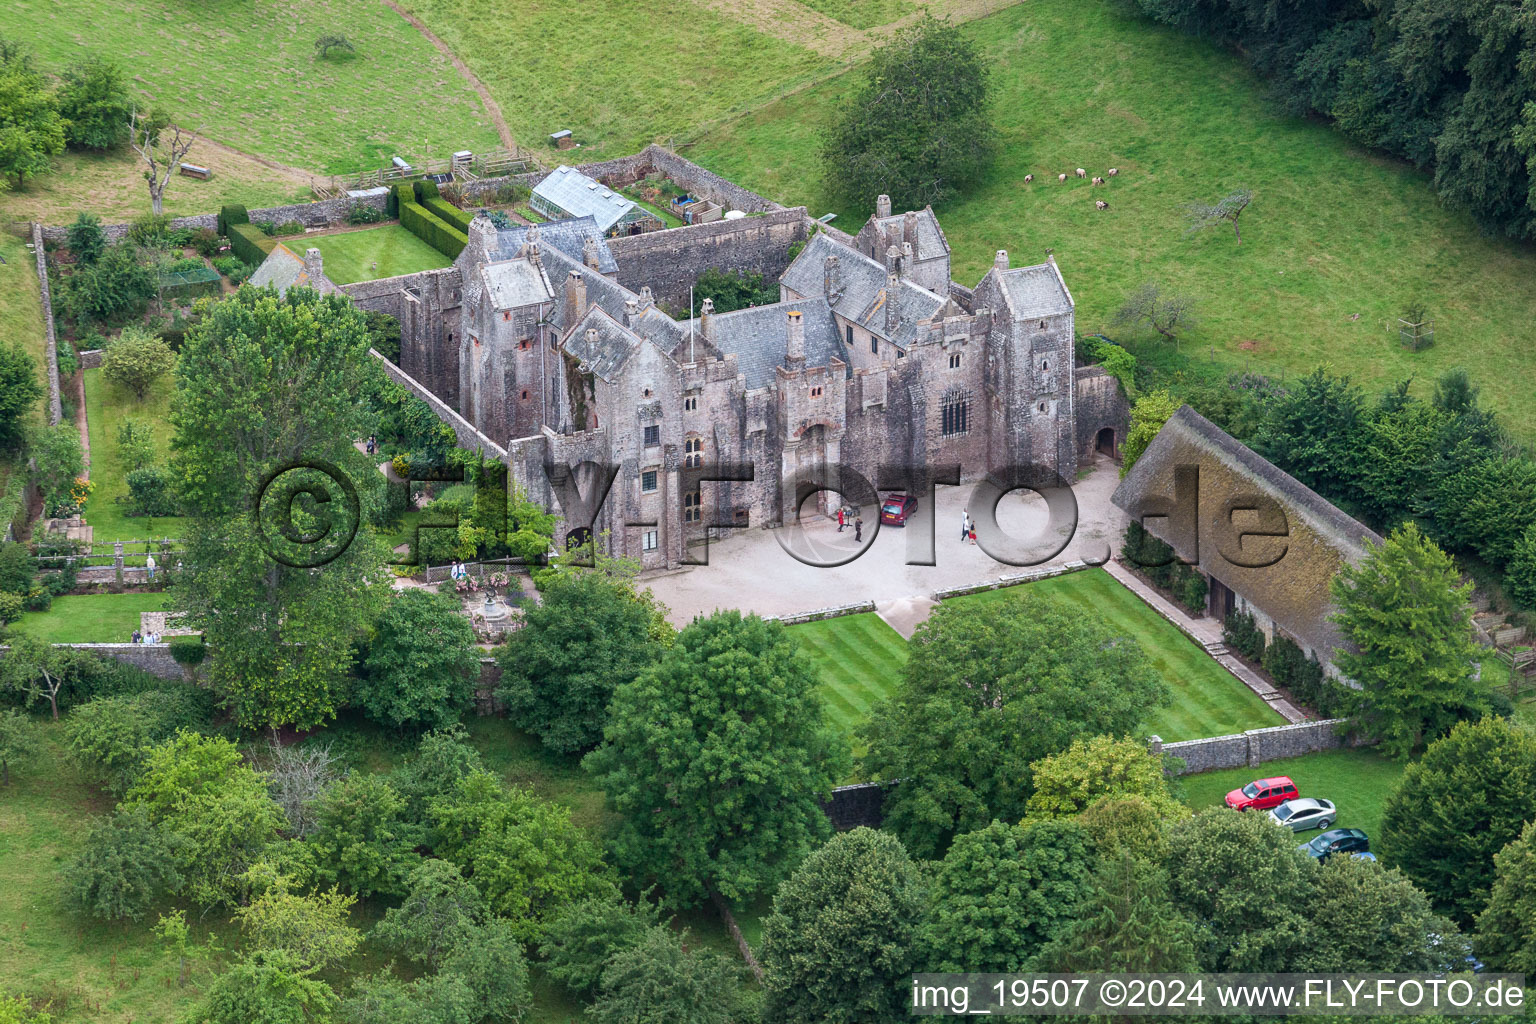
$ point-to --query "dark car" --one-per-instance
(897, 509)
(1339, 840)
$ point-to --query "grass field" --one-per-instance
(862, 13)
(90, 618)
(350, 255)
(1333, 230)
(21, 312)
(860, 660)
(248, 75)
(105, 408)
(1358, 781)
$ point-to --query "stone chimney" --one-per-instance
(794, 346)
(646, 299)
(909, 228)
(591, 340)
(832, 282)
(313, 266)
(882, 206)
(589, 254)
(534, 255)
(892, 259)
(482, 234)
(892, 303)
(575, 298)
(631, 312)
(1000, 261)
(707, 320)
(905, 270)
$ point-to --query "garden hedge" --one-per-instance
(433, 230)
(400, 192)
(454, 216)
(425, 190)
(247, 242)
(229, 216)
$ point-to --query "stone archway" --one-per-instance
(579, 537)
(1104, 443)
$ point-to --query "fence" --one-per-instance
(187, 284)
(118, 554)
(495, 163)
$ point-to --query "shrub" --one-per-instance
(249, 243)
(181, 266)
(151, 492)
(359, 212)
(126, 865)
(433, 230)
(1243, 635)
(233, 268)
(17, 572)
(288, 227)
(85, 238)
(266, 227)
(452, 215)
(206, 241)
(1191, 588)
(95, 104)
(136, 361)
(11, 607)
(151, 231)
(38, 599)
(68, 363)
(116, 286)
(188, 650)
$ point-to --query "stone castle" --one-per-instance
(549, 344)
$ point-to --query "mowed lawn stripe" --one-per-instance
(859, 658)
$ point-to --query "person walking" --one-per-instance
(840, 522)
(971, 530)
(149, 563)
(965, 525)
(858, 530)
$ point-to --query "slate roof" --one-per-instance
(931, 242)
(513, 283)
(1036, 291)
(579, 196)
(862, 289)
(569, 236)
(759, 337)
(601, 343)
(283, 269)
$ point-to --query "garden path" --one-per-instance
(491, 108)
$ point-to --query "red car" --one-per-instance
(897, 509)
(1262, 794)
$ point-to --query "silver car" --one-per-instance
(1304, 813)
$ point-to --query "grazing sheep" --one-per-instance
(1100, 204)
(1098, 181)
(1061, 177)
(1114, 171)
(1082, 173)
(1028, 178)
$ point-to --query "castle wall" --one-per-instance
(671, 261)
(1100, 403)
(427, 306)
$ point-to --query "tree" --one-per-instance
(718, 757)
(1241, 877)
(296, 776)
(1130, 825)
(116, 287)
(491, 963)
(361, 841)
(1367, 918)
(1313, 432)
(162, 155)
(1520, 573)
(94, 101)
(442, 758)
(199, 787)
(126, 865)
(172, 932)
(588, 636)
(440, 912)
(435, 999)
(37, 670)
(85, 238)
(31, 129)
(1228, 208)
(1004, 891)
(1167, 313)
(136, 447)
(1506, 928)
(312, 929)
(579, 941)
(266, 988)
(658, 981)
(1457, 806)
(734, 289)
(111, 736)
(1126, 923)
(1405, 610)
(18, 742)
(1093, 769)
(332, 41)
(265, 386)
(422, 664)
(19, 392)
(525, 855)
(60, 459)
(842, 938)
(136, 360)
(918, 126)
(985, 694)
(1148, 415)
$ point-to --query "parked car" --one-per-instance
(897, 509)
(1304, 813)
(1367, 855)
(1262, 794)
(1340, 840)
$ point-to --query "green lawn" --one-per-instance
(351, 255)
(1333, 230)
(862, 13)
(90, 618)
(860, 660)
(248, 75)
(106, 407)
(1357, 780)
(21, 311)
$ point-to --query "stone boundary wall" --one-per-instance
(90, 359)
(1012, 580)
(468, 436)
(152, 658)
(670, 261)
(50, 349)
(317, 214)
(1257, 746)
(858, 608)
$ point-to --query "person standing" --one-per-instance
(858, 530)
(965, 525)
(840, 522)
(149, 563)
(136, 637)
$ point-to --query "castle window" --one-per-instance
(1045, 366)
(525, 394)
(954, 361)
(816, 391)
(506, 316)
(691, 506)
(652, 435)
(874, 345)
(474, 338)
(956, 413)
(690, 403)
(647, 392)
(522, 346)
(850, 334)
(693, 452)
(650, 540)
(648, 481)
(1042, 407)
(900, 354)
(1042, 325)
